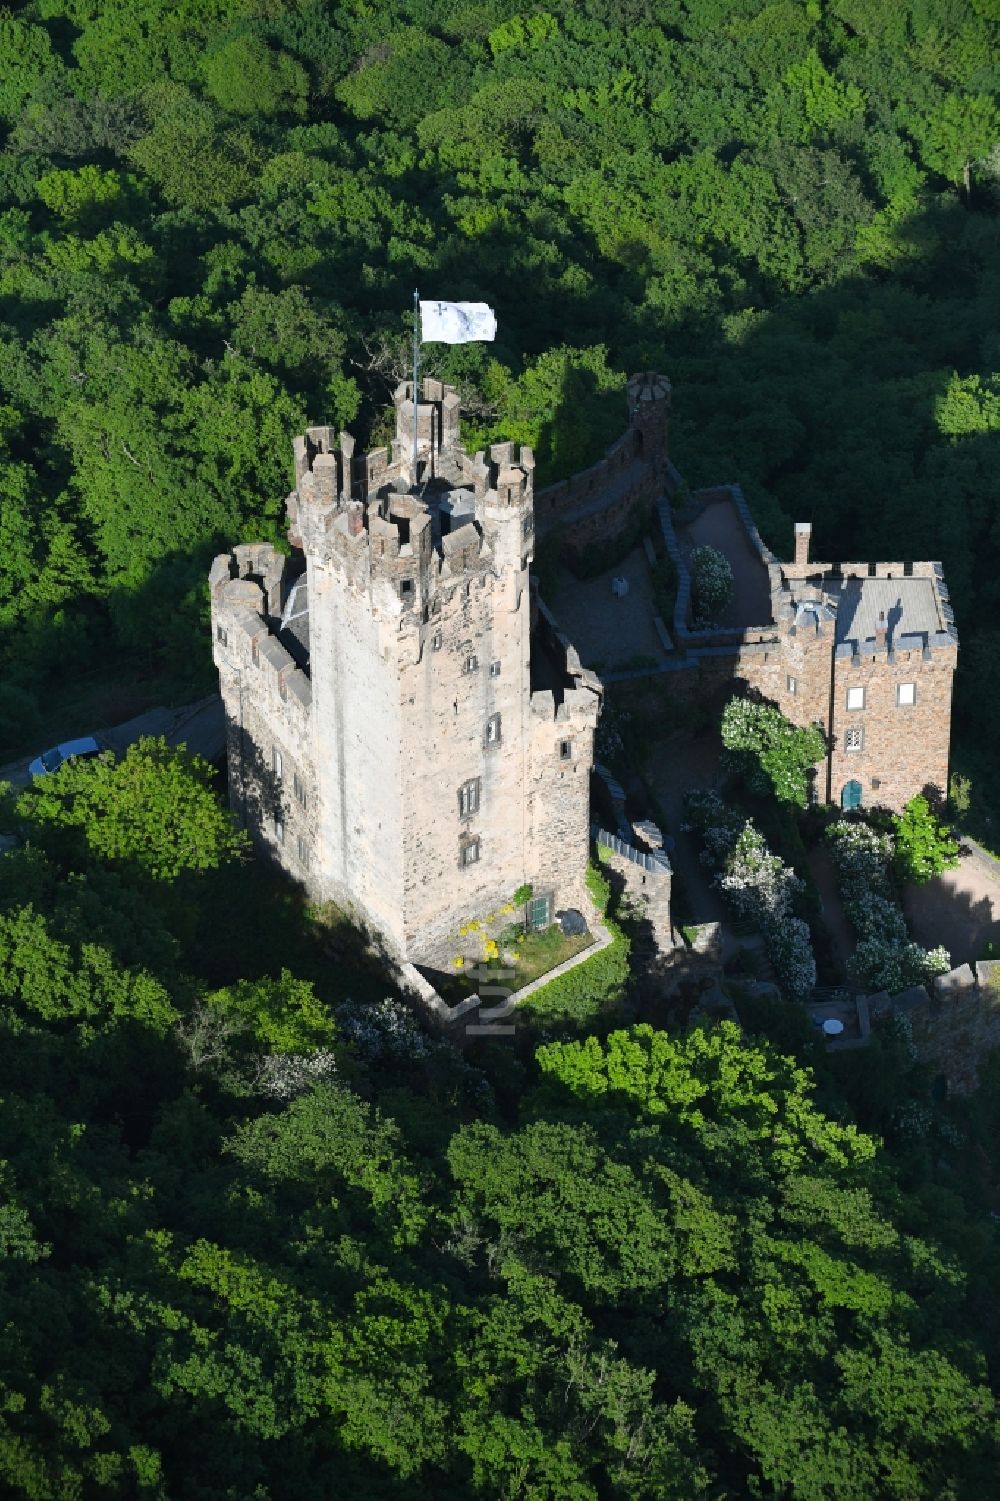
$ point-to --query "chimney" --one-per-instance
(803, 532)
(880, 632)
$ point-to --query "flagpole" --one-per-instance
(416, 369)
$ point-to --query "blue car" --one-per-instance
(51, 760)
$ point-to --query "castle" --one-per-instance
(409, 734)
(868, 652)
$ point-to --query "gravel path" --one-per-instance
(960, 909)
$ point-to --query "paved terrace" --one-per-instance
(606, 630)
(718, 525)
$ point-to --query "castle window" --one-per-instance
(298, 787)
(220, 635)
(527, 524)
(254, 654)
(406, 591)
(472, 664)
(494, 669)
(493, 730)
(276, 763)
(436, 641)
(565, 750)
(468, 852)
(279, 828)
(906, 694)
(792, 684)
(468, 798)
(303, 849)
(854, 738)
(855, 698)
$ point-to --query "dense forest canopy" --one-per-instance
(259, 1235)
(213, 216)
(261, 1239)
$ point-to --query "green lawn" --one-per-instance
(538, 953)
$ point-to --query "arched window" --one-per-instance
(850, 795)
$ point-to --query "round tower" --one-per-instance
(649, 413)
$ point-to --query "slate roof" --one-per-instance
(909, 606)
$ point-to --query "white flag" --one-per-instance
(456, 322)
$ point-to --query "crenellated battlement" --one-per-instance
(400, 541)
(248, 594)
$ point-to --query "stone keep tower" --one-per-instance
(409, 733)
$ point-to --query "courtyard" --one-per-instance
(611, 632)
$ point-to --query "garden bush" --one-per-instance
(773, 756)
(757, 885)
(711, 583)
(885, 958)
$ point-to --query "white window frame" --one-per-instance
(856, 732)
(906, 703)
(853, 692)
(791, 684)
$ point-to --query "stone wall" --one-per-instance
(597, 503)
(904, 748)
(647, 877)
(957, 1027)
(267, 701)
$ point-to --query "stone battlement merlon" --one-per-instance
(243, 639)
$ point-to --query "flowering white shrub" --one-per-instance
(282, 1076)
(885, 958)
(711, 582)
(757, 884)
(754, 880)
(773, 756)
(386, 1029)
(789, 946)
